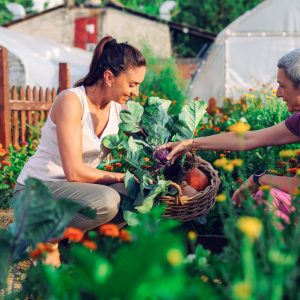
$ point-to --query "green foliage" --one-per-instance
(162, 80)
(12, 162)
(211, 15)
(155, 263)
(6, 16)
(38, 218)
(147, 7)
(141, 130)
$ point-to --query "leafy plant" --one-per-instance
(142, 129)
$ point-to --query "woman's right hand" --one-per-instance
(177, 149)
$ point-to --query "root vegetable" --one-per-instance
(197, 179)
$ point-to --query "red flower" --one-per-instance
(118, 164)
(73, 234)
(6, 162)
(239, 180)
(24, 143)
(110, 229)
(125, 235)
(108, 167)
(90, 244)
(293, 161)
(291, 171)
(281, 164)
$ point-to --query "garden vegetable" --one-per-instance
(161, 156)
(197, 179)
(187, 190)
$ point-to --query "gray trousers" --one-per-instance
(104, 199)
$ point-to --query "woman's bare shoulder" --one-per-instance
(67, 103)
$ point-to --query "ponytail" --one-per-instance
(113, 56)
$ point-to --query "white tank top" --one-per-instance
(46, 163)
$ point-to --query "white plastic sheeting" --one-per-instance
(40, 58)
(245, 54)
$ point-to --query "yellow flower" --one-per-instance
(250, 226)
(242, 290)
(192, 235)
(297, 152)
(237, 162)
(229, 167)
(221, 198)
(221, 162)
(217, 281)
(239, 128)
(298, 172)
(204, 278)
(265, 187)
(287, 153)
(174, 257)
(251, 96)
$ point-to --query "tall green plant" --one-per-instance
(163, 80)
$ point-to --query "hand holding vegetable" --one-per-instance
(176, 149)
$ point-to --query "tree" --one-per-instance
(212, 15)
(6, 16)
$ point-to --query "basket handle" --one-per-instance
(179, 194)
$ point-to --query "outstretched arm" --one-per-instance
(276, 135)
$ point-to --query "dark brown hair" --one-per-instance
(113, 56)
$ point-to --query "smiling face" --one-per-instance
(287, 91)
(127, 84)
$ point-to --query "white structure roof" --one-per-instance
(40, 58)
(245, 53)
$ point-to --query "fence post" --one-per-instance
(5, 138)
(64, 77)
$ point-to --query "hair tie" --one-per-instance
(110, 44)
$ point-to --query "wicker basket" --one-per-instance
(186, 208)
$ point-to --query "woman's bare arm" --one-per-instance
(67, 114)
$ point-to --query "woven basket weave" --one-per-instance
(186, 208)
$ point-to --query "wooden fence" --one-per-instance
(20, 107)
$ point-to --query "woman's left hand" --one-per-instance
(241, 193)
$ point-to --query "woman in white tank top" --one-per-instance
(70, 146)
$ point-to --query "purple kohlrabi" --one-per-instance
(160, 155)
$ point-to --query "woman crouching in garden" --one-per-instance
(70, 147)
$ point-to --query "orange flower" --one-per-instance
(2, 152)
(73, 234)
(118, 164)
(90, 244)
(217, 129)
(108, 167)
(146, 159)
(110, 229)
(42, 248)
(125, 235)
(6, 162)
